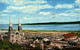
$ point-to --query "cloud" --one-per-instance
(61, 17)
(35, 8)
(7, 15)
(33, 18)
(77, 2)
(24, 6)
(6, 11)
(74, 15)
(25, 18)
(23, 2)
(45, 13)
(59, 6)
(3, 14)
(76, 10)
(63, 14)
(67, 10)
(28, 8)
(40, 11)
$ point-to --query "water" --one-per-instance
(44, 27)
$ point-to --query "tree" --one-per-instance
(4, 45)
(73, 44)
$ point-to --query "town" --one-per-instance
(40, 40)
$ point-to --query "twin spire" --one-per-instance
(19, 22)
(19, 26)
(10, 22)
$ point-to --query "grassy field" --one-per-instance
(50, 31)
(36, 31)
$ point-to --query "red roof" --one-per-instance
(69, 35)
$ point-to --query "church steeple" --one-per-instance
(10, 22)
(19, 22)
(19, 26)
(10, 26)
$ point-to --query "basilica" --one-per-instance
(14, 36)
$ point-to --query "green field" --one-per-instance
(75, 32)
(46, 30)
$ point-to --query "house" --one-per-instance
(71, 36)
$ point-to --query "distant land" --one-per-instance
(46, 23)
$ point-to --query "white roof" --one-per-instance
(45, 39)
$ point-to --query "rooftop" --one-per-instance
(69, 35)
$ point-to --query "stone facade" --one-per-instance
(15, 36)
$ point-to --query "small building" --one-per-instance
(68, 37)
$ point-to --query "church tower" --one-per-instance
(14, 35)
(19, 26)
(10, 35)
(10, 26)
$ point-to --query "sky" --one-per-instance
(38, 11)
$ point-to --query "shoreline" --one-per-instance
(50, 30)
(46, 30)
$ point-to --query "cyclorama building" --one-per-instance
(14, 36)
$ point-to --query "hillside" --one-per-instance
(77, 22)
